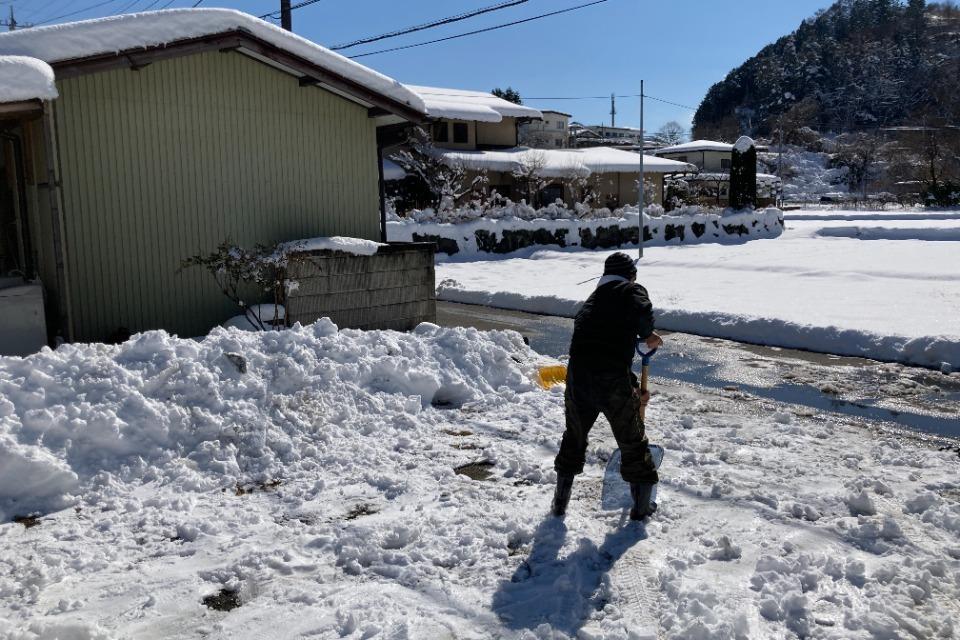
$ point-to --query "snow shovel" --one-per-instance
(644, 376)
(551, 375)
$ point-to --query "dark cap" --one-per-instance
(619, 264)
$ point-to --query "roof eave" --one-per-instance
(235, 40)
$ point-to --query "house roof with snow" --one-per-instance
(478, 106)
(23, 78)
(559, 163)
(133, 40)
(696, 145)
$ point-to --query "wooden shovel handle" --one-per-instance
(644, 375)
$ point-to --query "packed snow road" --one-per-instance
(911, 398)
(325, 484)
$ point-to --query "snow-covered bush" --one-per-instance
(241, 272)
(522, 211)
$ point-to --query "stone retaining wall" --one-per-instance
(505, 235)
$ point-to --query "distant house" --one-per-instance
(604, 136)
(711, 184)
(462, 119)
(163, 135)
(707, 155)
(552, 132)
(611, 175)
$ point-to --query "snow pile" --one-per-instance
(743, 144)
(890, 300)
(132, 31)
(25, 78)
(158, 408)
(318, 489)
(478, 106)
(343, 244)
(491, 234)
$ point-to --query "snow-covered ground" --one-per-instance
(309, 474)
(824, 285)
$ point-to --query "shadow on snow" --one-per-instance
(562, 593)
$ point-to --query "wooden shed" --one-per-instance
(174, 131)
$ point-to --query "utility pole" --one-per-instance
(286, 20)
(613, 107)
(640, 185)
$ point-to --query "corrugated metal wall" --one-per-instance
(168, 161)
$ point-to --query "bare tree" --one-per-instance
(671, 133)
(447, 182)
(860, 153)
(528, 175)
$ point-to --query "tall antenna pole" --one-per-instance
(12, 24)
(285, 19)
(613, 110)
(640, 185)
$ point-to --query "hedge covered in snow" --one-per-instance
(504, 235)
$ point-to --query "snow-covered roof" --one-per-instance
(73, 40)
(24, 78)
(478, 106)
(697, 145)
(558, 163)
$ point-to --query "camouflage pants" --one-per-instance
(588, 395)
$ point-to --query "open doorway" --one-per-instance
(16, 255)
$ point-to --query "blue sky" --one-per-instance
(678, 48)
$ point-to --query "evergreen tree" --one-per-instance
(509, 94)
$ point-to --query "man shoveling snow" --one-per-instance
(599, 379)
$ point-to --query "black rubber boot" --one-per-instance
(561, 496)
(642, 507)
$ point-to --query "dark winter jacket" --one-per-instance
(608, 325)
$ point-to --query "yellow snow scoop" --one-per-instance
(551, 375)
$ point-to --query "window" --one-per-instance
(560, 124)
(461, 134)
(558, 142)
(724, 163)
(440, 132)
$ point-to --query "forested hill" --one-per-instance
(859, 65)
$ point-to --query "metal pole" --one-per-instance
(285, 17)
(640, 185)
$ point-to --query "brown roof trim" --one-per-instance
(229, 41)
(10, 110)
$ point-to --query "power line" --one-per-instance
(276, 14)
(73, 13)
(430, 25)
(632, 95)
(471, 33)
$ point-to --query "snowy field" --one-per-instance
(837, 282)
(305, 480)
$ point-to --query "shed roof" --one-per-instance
(24, 78)
(697, 145)
(557, 163)
(478, 106)
(123, 34)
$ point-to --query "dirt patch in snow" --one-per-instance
(223, 600)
